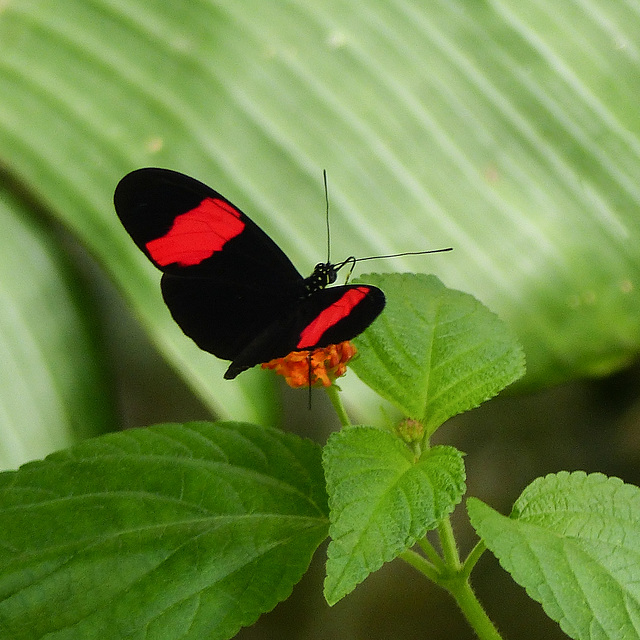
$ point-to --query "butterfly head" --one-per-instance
(323, 275)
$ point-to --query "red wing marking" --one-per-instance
(197, 234)
(341, 308)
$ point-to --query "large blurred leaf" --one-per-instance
(52, 385)
(508, 130)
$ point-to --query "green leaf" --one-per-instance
(382, 501)
(573, 541)
(175, 531)
(53, 387)
(435, 352)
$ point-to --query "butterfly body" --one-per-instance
(227, 284)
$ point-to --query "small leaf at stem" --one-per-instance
(382, 500)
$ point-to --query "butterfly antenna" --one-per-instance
(352, 260)
(405, 253)
(326, 201)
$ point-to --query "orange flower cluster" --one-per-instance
(327, 364)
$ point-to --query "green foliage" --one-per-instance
(51, 360)
(435, 352)
(383, 500)
(506, 130)
(185, 531)
(502, 129)
(194, 530)
(573, 541)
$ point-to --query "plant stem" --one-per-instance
(432, 554)
(449, 546)
(421, 564)
(457, 584)
(451, 574)
(472, 558)
(336, 401)
(472, 610)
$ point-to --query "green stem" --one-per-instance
(432, 554)
(472, 610)
(457, 583)
(451, 574)
(472, 558)
(421, 564)
(336, 401)
(449, 546)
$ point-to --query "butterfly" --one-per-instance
(227, 284)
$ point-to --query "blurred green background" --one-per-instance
(507, 129)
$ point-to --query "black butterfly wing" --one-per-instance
(223, 317)
(227, 284)
(328, 316)
(225, 280)
(186, 228)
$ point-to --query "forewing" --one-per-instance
(186, 228)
